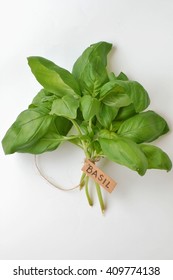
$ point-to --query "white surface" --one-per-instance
(36, 220)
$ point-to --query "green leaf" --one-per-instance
(125, 112)
(143, 127)
(138, 96)
(106, 115)
(89, 106)
(136, 93)
(29, 126)
(52, 139)
(61, 125)
(106, 134)
(49, 142)
(52, 77)
(157, 159)
(42, 96)
(115, 125)
(93, 78)
(66, 107)
(90, 68)
(116, 99)
(124, 151)
(122, 77)
(100, 49)
(43, 101)
(96, 146)
(113, 86)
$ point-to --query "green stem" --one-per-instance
(100, 197)
(68, 138)
(85, 148)
(87, 192)
(82, 180)
(76, 126)
(90, 124)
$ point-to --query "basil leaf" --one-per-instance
(100, 49)
(136, 93)
(61, 126)
(43, 101)
(114, 86)
(122, 77)
(144, 127)
(115, 125)
(126, 112)
(52, 139)
(117, 99)
(90, 68)
(106, 134)
(138, 96)
(157, 159)
(29, 126)
(89, 106)
(66, 107)
(52, 77)
(113, 94)
(49, 142)
(124, 151)
(106, 115)
(42, 96)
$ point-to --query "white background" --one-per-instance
(38, 221)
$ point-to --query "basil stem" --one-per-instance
(102, 206)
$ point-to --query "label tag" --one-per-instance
(91, 170)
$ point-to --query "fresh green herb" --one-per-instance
(106, 110)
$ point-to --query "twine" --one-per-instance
(49, 180)
(96, 159)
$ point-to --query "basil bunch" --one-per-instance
(106, 111)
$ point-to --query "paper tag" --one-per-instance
(91, 170)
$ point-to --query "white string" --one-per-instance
(50, 181)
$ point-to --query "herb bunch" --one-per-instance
(107, 112)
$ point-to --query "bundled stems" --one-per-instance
(84, 183)
(84, 178)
